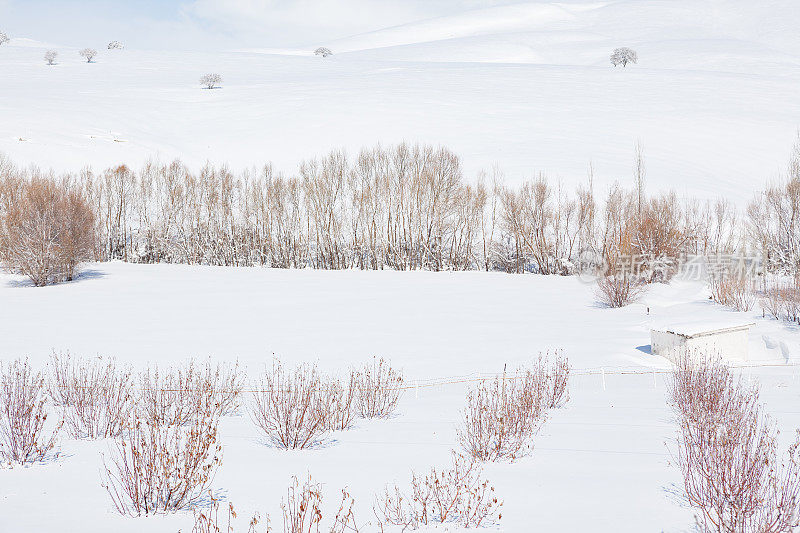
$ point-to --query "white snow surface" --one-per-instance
(526, 85)
(602, 462)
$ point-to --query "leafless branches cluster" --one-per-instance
(97, 398)
(733, 290)
(26, 436)
(781, 299)
(378, 389)
(176, 395)
(296, 409)
(302, 510)
(456, 494)
(727, 453)
(504, 414)
(157, 468)
(46, 228)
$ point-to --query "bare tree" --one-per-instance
(3, 38)
(115, 45)
(322, 51)
(623, 56)
(210, 81)
(50, 57)
(88, 54)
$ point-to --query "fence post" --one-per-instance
(603, 374)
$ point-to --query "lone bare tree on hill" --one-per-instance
(623, 56)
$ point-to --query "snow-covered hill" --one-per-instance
(527, 86)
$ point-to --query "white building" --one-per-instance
(728, 340)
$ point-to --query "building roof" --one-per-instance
(700, 328)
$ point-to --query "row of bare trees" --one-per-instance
(403, 207)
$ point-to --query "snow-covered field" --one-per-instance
(527, 86)
(600, 463)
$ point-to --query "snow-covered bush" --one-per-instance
(3, 38)
(623, 56)
(115, 45)
(290, 407)
(727, 452)
(50, 57)
(322, 51)
(458, 494)
(156, 468)
(97, 398)
(47, 231)
(379, 387)
(25, 435)
(504, 414)
(210, 81)
(88, 54)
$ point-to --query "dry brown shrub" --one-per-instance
(302, 509)
(158, 468)
(504, 414)
(620, 289)
(379, 389)
(727, 453)
(47, 231)
(97, 398)
(290, 407)
(24, 433)
(733, 291)
(176, 395)
(208, 520)
(457, 494)
(340, 398)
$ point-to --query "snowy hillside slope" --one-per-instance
(526, 86)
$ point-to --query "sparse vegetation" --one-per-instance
(115, 45)
(379, 388)
(26, 436)
(3, 38)
(157, 468)
(727, 452)
(322, 51)
(96, 396)
(458, 494)
(504, 414)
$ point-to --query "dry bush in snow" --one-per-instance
(209, 81)
(781, 300)
(302, 509)
(97, 397)
(727, 453)
(340, 397)
(115, 45)
(504, 414)
(88, 54)
(176, 395)
(623, 56)
(322, 51)
(619, 290)
(457, 494)
(734, 291)
(25, 435)
(157, 468)
(3, 38)
(208, 520)
(290, 407)
(50, 57)
(379, 389)
(46, 231)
